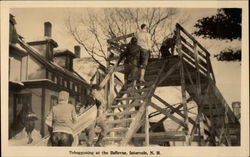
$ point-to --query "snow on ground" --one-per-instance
(21, 138)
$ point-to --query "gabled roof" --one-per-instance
(48, 64)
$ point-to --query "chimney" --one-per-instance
(45, 45)
(47, 29)
(77, 50)
(236, 109)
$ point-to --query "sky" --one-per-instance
(30, 25)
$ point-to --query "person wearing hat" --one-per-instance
(30, 124)
(131, 63)
(63, 116)
(144, 41)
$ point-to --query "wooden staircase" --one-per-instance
(191, 69)
(128, 109)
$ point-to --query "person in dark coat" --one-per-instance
(132, 61)
(167, 46)
(30, 125)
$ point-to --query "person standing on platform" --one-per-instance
(144, 41)
(63, 116)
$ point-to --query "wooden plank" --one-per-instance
(121, 113)
(146, 127)
(168, 114)
(134, 125)
(192, 38)
(126, 105)
(189, 76)
(120, 129)
(160, 134)
(183, 87)
(119, 121)
(192, 55)
(152, 128)
(192, 47)
(120, 37)
(130, 98)
(136, 90)
(170, 71)
(172, 108)
(193, 63)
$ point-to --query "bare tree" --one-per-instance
(92, 29)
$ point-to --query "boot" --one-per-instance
(99, 141)
(30, 140)
(142, 75)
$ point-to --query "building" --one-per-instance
(37, 72)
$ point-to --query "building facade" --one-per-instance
(37, 72)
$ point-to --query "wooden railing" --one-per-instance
(194, 53)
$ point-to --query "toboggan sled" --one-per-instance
(83, 121)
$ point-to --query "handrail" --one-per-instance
(192, 38)
(107, 77)
(120, 37)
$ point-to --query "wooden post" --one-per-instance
(183, 87)
(107, 84)
(198, 94)
(146, 127)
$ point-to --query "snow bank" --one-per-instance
(21, 138)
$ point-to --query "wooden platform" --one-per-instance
(174, 78)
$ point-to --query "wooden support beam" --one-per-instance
(178, 121)
(172, 108)
(152, 128)
(183, 86)
(146, 127)
(170, 71)
(134, 125)
(189, 76)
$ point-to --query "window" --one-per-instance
(65, 83)
(55, 79)
(15, 68)
(75, 89)
(53, 100)
(22, 102)
(71, 85)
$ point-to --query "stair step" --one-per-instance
(112, 138)
(119, 121)
(120, 129)
(130, 98)
(136, 90)
(126, 105)
(122, 113)
(147, 83)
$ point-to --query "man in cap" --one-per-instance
(144, 41)
(63, 116)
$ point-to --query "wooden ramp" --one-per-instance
(190, 68)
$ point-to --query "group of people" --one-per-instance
(63, 115)
(137, 54)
